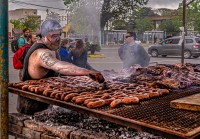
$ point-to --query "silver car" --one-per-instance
(173, 46)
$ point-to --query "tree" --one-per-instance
(31, 22)
(171, 26)
(143, 25)
(193, 15)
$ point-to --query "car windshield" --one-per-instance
(197, 40)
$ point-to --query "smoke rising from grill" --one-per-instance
(86, 19)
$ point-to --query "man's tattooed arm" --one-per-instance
(48, 59)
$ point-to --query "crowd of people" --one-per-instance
(49, 56)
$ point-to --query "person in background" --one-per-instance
(63, 50)
(78, 56)
(23, 39)
(31, 39)
(42, 61)
(132, 53)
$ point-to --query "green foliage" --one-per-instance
(111, 9)
(197, 24)
(171, 26)
(31, 22)
(145, 12)
(143, 25)
(192, 15)
(119, 24)
(92, 47)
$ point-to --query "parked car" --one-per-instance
(173, 46)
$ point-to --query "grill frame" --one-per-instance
(112, 116)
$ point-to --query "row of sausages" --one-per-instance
(115, 96)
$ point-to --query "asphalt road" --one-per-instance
(109, 62)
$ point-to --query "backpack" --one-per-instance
(19, 56)
(14, 45)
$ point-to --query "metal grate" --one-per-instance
(155, 114)
(159, 113)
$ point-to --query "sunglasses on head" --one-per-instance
(55, 35)
(128, 36)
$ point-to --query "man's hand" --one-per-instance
(96, 76)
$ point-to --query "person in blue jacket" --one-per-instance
(63, 50)
(132, 53)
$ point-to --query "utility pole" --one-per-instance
(4, 69)
(183, 32)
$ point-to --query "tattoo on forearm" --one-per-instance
(47, 59)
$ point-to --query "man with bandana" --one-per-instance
(42, 61)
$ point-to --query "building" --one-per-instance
(18, 14)
(22, 13)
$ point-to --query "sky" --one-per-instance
(171, 4)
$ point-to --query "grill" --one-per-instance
(154, 116)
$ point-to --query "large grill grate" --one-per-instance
(158, 112)
(155, 114)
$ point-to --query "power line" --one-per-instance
(14, 1)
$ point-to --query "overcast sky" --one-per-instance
(171, 4)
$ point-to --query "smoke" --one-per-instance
(86, 19)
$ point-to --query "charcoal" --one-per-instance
(63, 117)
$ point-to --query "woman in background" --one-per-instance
(78, 55)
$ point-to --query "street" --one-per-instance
(111, 61)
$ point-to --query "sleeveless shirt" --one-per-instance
(26, 105)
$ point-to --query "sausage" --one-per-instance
(120, 96)
(140, 96)
(25, 87)
(19, 85)
(106, 96)
(39, 90)
(96, 104)
(10, 84)
(47, 92)
(116, 103)
(108, 101)
(163, 91)
(31, 88)
(74, 98)
(153, 93)
(70, 96)
(91, 100)
(80, 100)
(82, 96)
(58, 95)
(53, 94)
(63, 96)
(86, 93)
(130, 100)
